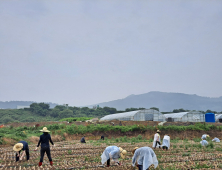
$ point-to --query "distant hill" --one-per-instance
(14, 104)
(166, 102)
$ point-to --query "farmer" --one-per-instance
(83, 140)
(113, 153)
(22, 145)
(216, 139)
(205, 136)
(156, 141)
(144, 157)
(166, 142)
(102, 137)
(44, 140)
(204, 142)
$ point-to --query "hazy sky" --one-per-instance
(85, 52)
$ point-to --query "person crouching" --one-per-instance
(166, 142)
(144, 157)
(113, 153)
(204, 142)
(21, 146)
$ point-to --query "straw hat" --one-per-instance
(122, 152)
(157, 131)
(45, 130)
(133, 151)
(18, 147)
(208, 136)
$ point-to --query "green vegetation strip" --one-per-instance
(26, 132)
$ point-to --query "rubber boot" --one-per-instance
(108, 165)
(40, 163)
(51, 163)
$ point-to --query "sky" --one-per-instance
(86, 52)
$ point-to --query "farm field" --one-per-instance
(186, 154)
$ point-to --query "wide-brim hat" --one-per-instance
(122, 152)
(45, 130)
(208, 136)
(18, 147)
(133, 151)
(158, 131)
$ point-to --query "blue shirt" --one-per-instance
(25, 145)
(44, 140)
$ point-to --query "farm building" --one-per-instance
(138, 115)
(218, 118)
(192, 116)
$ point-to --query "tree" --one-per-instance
(155, 108)
(66, 113)
(110, 110)
(55, 112)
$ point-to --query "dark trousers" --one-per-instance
(102, 137)
(165, 147)
(108, 162)
(156, 144)
(141, 167)
(42, 152)
(27, 155)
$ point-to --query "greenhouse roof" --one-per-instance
(218, 116)
(175, 115)
(120, 115)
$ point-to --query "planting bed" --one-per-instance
(73, 155)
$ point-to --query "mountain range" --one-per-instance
(166, 102)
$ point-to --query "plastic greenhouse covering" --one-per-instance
(138, 115)
(217, 117)
(192, 116)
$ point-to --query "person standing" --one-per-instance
(44, 140)
(113, 153)
(21, 146)
(166, 142)
(83, 140)
(144, 157)
(156, 141)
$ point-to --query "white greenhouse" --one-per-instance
(192, 116)
(138, 115)
(218, 118)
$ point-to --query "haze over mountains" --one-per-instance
(14, 104)
(164, 101)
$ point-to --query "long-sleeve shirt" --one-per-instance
(25, 145)
(204, 143)
(216, 140)
(145, 156)
(166, 141)
(110, 152)
(83, 140)
(204, 136)
(44, 140)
